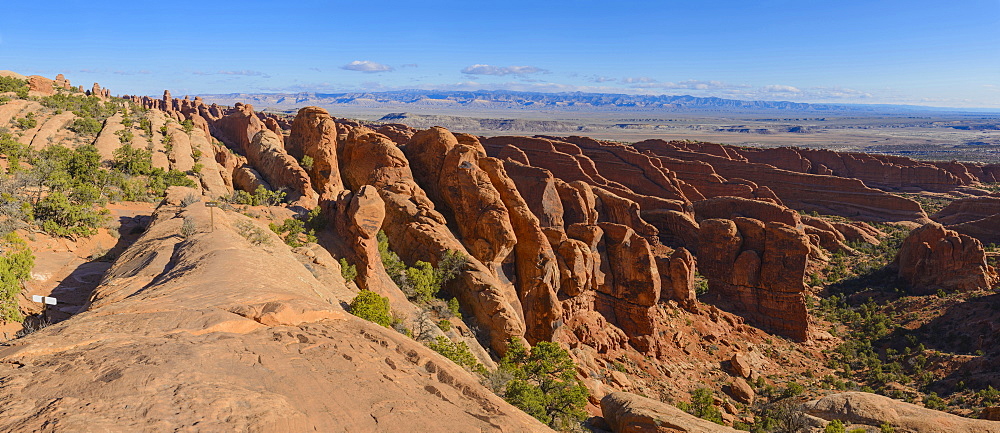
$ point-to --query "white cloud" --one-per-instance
(779, 88)
(601, 79)
(366, 66)
(244, 73)
(501, 70)
(140, 72)
(689, 85)
(631, 80)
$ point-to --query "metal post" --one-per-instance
(211, 205)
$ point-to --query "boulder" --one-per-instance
(741, 391)
(933, 257)
(630, 413)
(874, 410)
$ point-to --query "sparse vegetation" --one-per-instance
(293, 231)
(260, 197)
(372, 307)
(422, 282)
(307, 162)
(16, 85)
(252, 233)
(702, 405)
(188, 228)
(26, 122)
(348, 271)
(16, 261)
(85, 125)
(457, 352)
(542, 382)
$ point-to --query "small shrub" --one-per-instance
(307, 163)
(125, 136)
(15, 267)
(188, 228)
(292, 231)
(252, 233)
(27, 122)
(444, 325)
(370, 306)
(453, 307)
(702, 405)
(85, 125)
(544, 384)
(457, 352)
(187, 125)
(260, 197)
(16, 85)
(32, 324)
(932, 401)
(190, 199)
(146, 126)
(348, 271)
(835, 426)
(793, 389)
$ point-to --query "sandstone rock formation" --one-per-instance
(630, 413)
(933, 258)
(175, 340)
(873, 410)
(357, 219)
(757, 268)
(267, 154)
(824, 193)
(314, 134)
(538, 274)
(416, 231)
(977, 217)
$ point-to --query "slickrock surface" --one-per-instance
(629, 413)
(174, 340)
(933, 257)
(873, 410)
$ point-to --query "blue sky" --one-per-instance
(901, 52)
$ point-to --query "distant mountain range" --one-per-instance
(499, 99)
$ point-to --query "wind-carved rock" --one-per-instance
(450, 172)
(978, 217)
(314, 134)
(416, 231)
(634, 287)
(933, 257)
(677, 276)
(237, 128)
(538, 275)
(757, 268)
(358, 218)
(267, 154)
